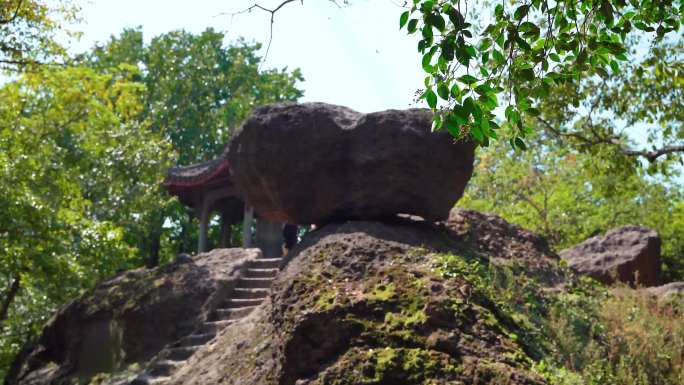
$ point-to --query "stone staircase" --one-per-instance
(251, 290)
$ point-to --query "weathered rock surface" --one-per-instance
(629, 254)
(667, 290)
(507, 244)
(362, 303)
(359, 303)
(127, 319)
(316, 163)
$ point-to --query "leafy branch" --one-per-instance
(524, 52)
(14, 15)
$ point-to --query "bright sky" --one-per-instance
(354, 56)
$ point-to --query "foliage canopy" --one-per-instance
(523, 51)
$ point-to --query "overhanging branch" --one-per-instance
(655, 154)
(272, 12)
(596, 139)
(14, 15)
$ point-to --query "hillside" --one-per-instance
(473, 300)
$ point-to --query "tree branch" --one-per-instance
(586, 141)
(655, 154)
(12, 292)
(272, 12)
(14, 16)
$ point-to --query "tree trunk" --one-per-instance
(9, 297)
(153, 241)
(185, 236)
(155, 244)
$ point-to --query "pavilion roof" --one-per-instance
(197, 174)
(190, 182)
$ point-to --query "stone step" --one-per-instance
(247, 293)
(261, 273)
(145, 379)
(231, 314)
(265, 263)
(232, 303)
(195, 340)
(163, 368)
(215, 326)
(180, 353)
(255, 283)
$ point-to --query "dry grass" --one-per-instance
(628, 338)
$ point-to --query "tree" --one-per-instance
(567, 196)
(223, 82)
(28, 29)
(527, 48)
(77, 167)
(596, 115)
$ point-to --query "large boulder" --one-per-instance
(629, 254)
(317, 163)
(128, 319)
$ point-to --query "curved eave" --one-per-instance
(191, 182)
(197, 174)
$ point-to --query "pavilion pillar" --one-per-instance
(225, 232)
(203, 228)
(247, 226)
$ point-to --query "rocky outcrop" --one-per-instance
(317, 163)
(128, 319)
(404, 301)
(365, 303)
(668, 290)
(629, 254)
(507, 244)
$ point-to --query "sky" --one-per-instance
(354, 56)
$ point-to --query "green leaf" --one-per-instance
(521, 12)
(519, 143)
(498, 56)
(403, 19)
(476, 133)
(455, 92)
(431, 98)
(527, 74)
(443, 91)
(602, 72)
(614, 66)
(427, 59)
(468, 105)
(460, 114)
(468, 79)
(533, 111)
(427, 32)
(453, 127)
(437, 21)
(470, 50)
(412, 26)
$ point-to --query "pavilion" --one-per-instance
(207, 188)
